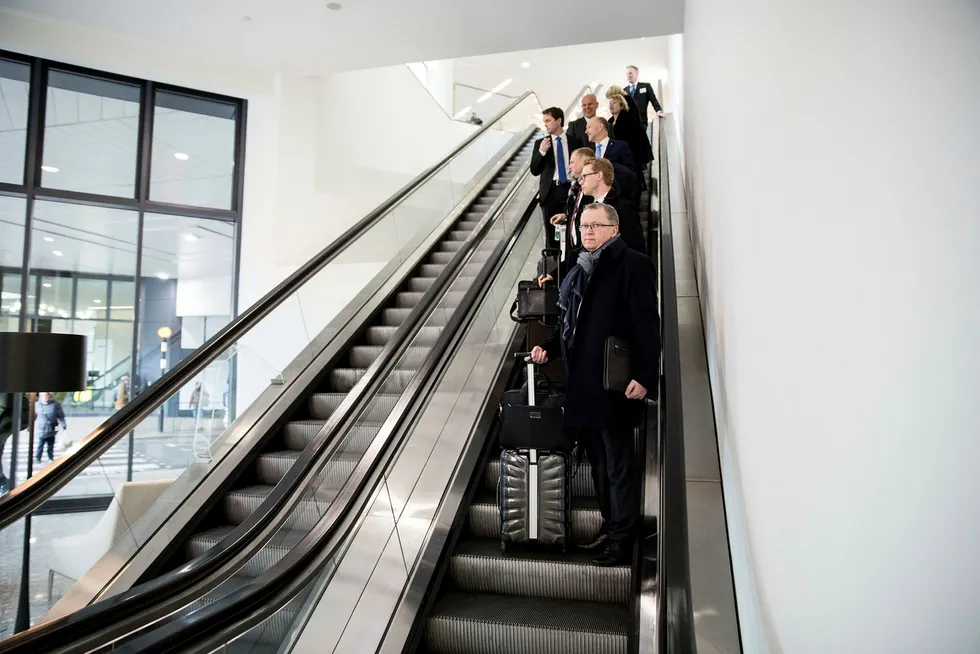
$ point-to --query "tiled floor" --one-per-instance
(43, 530)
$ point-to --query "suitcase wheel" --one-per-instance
(503, 547)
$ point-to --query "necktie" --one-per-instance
(632, 89)
(598, 151)
(560, 155)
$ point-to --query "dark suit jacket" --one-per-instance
(620, 300)
(631, 132)
(644, 97)
(544, 166)
(630, 227)
(577, 129)
(618, 152)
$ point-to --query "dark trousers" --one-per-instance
(47, 439)
(551, 204)
(615, 476)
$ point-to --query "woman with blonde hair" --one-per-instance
(626, 121)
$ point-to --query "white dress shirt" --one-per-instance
(565, 153)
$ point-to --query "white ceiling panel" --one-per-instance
(304, 36)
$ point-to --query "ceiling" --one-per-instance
(558, 74)
(305, 37)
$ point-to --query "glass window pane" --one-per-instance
(55, 298)
(90, 135)
(14, 92)
(123, 300)
(193, 151)
(86, 247)
(12, 216)
(91, 299)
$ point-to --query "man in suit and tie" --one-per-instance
(576, 128)
(550, 162)
(618, 153)
(642, 93)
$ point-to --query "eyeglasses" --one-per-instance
(584, 175)
(591, 227)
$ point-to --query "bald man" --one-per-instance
(577, 127)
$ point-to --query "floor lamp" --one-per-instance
(35, 363)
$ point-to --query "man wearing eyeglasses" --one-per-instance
(597, 182)
(611, 291)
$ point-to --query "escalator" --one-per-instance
(529, 599)
(281, 451)
(475, 599)
(216, 527)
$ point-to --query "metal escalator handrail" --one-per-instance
(98, 624)
(230, 616)
(29, 495)
(674, 619)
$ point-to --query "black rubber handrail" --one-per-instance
(230, 616)
(29, 495)
(100, 623)
(675, 620)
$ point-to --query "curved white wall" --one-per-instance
(833, 152)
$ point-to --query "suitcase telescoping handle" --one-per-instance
(531, 399)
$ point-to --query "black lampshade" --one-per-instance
(32, 363)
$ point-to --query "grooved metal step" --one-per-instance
(270, 554)
(379, 335)
(484, 518)
(344, 379)
(479, 623)
(478, 566)
(362, 356)
(322, 406)
(240, 503)
(273, 466)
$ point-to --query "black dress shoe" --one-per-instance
(596, 545)
(614, 554)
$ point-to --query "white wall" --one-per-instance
(832, 151)
(321, 153)
(674, 84)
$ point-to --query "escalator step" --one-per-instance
(278, 546)
(484, 518)
(435, 269)
(322, 406)
(478, 566)
(581, 480)
(241, 502)
(443, 258)
(343, 380)
(357, 439)
(420, 284)
(473, 623)
(395, 317)
(457, 235)
(379, 335)
(271, 467)
(362, 356)
(407, 300)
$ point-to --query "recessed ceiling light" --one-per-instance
(49, 169)
(334, 6)
(501, 86)
(525, 64)
(181, 156)
(462, 112)
(97, 301)
(48, 239)
(163, 276)
(188, 236)
(46, 285)
(57, 253)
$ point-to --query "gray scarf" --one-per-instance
(572, 292)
